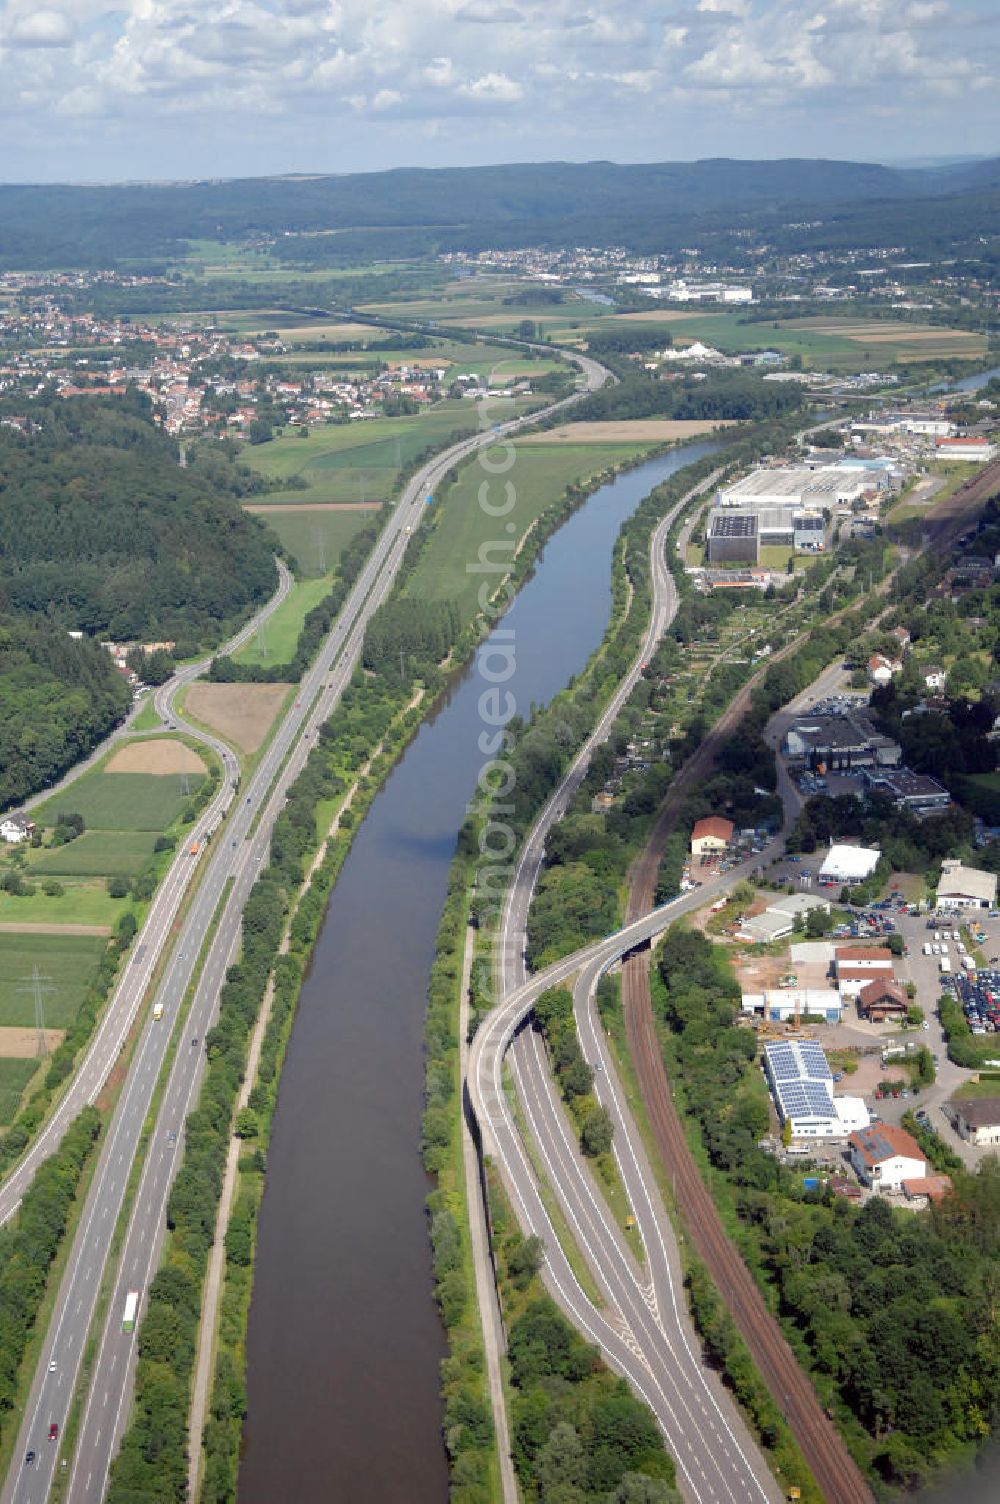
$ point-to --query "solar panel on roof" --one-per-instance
(814, 1060)
(819, 1098)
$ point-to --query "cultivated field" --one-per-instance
(314, 534)
(124, 801)
(277, 641)
(15, 1073)
(540, 476)
(627, 431)
(97, 853)
(242, 713)
(359, 461)
(65, 963)
(18, 1042)
(159, 755)
(836, 343)
(82, 904)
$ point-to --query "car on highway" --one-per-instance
(29, 1459)
(172, 1137)
(52, 1366)
(195, 1039)
(53, 1430)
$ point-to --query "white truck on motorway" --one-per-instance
(128, 1315)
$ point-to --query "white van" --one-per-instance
(936, 949)
(927, 948)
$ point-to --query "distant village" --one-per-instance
(201, 378)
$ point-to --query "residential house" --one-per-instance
(884, 1156)
(882, 670)
(977, 1119)
(711, 835)
(16, 828)
(882, 1001)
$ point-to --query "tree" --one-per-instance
(118, 886)
(525, 1260)
(562, 1461)
(247, 1125)
(818, 922)
(636, 1488)
(597, 1133)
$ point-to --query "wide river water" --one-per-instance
(344, 1340)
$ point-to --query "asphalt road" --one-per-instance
(238, 854)
(642, 1328)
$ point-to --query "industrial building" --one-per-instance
(856, 966)
(979, 450)
(841, 742)
(801, 488)
(778, 919)
(916, 792)
(733, 538)
(809, 532)
(790, 1004)
(802, 1086)
(966, 887)
(849, 865)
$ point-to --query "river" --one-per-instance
(344, 1340)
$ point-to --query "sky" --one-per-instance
(177, 89)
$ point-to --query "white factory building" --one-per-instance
(849, 865)
(786, 1004)
(800, 487)
(966, 887)
(802, 1086)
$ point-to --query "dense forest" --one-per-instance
(411, 212)
(58, 696)
(101, 531)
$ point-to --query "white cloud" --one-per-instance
(724, 7)
(601, 77)
(43, 28)
(492, 87)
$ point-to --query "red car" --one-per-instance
(53, 1431)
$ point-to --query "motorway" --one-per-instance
(237, 855)
(643, 1328)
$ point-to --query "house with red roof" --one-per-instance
(884, 1156)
